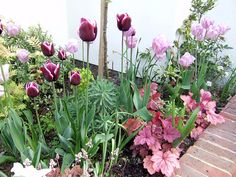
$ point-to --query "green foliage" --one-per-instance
(86, 78)
(103, 94)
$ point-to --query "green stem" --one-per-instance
(87, 79)
(37, 116)
(83, 52)
(77, 120)
(55, 97)
(64, 86)
(122, 55)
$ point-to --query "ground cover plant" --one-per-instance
(58, 119)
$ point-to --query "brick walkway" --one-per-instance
(214, 154)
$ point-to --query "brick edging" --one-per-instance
(214, 153)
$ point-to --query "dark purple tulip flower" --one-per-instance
(1, 27)
(62, 54)
(87, 30)
(32, 89)
(47, 48)
(75, 78)
(123, 22)
(50, 71)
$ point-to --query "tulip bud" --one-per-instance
(87, 30)
(186, 60)
(22, 55)
(75, 78)
(1, 27)
(4, 75)
(50, 71)
(1, 90)
(72, 46)
(47, 49)
(32, 89)
(123, 22)
(62, 54)
(130, 32)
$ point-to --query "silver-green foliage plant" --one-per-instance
(103, 94)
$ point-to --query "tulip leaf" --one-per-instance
(144, 114)
(37, 154)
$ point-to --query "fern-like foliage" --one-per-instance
(103, 94)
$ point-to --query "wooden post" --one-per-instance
(103, 39)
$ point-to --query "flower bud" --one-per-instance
(12, 29)
(87, 30)
(32, 89)
(75, 78)
(50, 71)
(62, 54)
(72, 46)
(22, 55)
(186, 60)
(47, 48)
(123, 22)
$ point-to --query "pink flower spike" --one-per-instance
(148, 164)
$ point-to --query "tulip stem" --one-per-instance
(122, 56)
(87, 79)
(83, 52)
(64, 86)
(37, 116)
(55, 97)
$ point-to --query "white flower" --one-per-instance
(28, 171)
(5, 73)
(1, 90)
(226, 74)
(209, 83)
(220, 68)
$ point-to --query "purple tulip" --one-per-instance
(62, 54)
(47, 48)
(123, 22)
(131, 42)
(186, 60)
(75, 78)
(87, 30)
(160, 45)
(12, 29)
(1, 27)
(72, 46)
(50, 71)
(32, 89)
(23, 55)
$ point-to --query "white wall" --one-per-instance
(150, 18)
(51, 14)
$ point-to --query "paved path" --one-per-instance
(214, 153)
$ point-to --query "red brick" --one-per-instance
(186, 171)
(226, 135)
(203, 167)
(217, 150)
(218, 141)
(228, 126)
(213, 159)
(228, 115)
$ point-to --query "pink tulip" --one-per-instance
(212, 33)
(198, 32)
(222, 29)
(50, 71)
(206, 23)
(87, 30)
(32, 89)
(123, 22)
(186, 60)
(131, 42)
(72, 46)
(12, 29)
(160, 45)
(23, 55)
(47, 48)
(62, 54)
(130, 32)
(75, 78)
